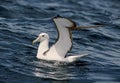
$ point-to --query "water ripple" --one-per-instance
(22, 20)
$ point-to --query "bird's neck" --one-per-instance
(43, 47)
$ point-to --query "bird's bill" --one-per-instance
(36, 40)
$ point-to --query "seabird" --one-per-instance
(63, 44)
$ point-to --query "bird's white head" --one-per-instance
(41, 37)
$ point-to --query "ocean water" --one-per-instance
(22, 20)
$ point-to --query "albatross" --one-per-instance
(58, 51)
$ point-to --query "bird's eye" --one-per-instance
(43, 35)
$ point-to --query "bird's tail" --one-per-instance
(76, 57)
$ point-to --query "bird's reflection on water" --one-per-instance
(62, 70)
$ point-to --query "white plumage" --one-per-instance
(63, 44)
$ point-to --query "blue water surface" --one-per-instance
(22, 20)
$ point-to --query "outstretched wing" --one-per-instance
(63, 43)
